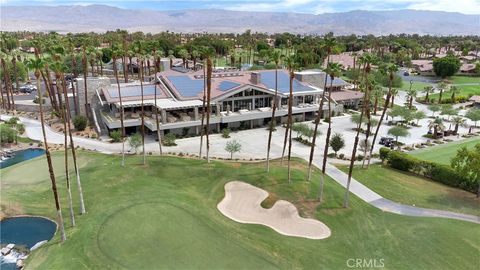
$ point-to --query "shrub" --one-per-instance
(80, 122)
(116, 135)
(331, 155)
(359, 157)
(341, 156)
(7, 134)
(169, 139)
(226, 133)
(401, 161)
(36, 100)
(384, 151)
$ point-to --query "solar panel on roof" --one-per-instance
(133, 91)
(186, 86)
(226, 85)
(268, 79)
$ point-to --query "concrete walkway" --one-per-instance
(190, 145)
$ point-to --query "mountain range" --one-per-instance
(101, 18)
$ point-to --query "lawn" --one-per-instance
(163, 215)
(410, 189)
(464, 79)
(443, 153)
(419, 86)
(465, 90)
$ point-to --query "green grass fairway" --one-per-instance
(164, 216)
(410, 189)
(419, 86)
(443, 153)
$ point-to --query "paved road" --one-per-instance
(254, 143)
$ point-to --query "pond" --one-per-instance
(21, 155)
(24, 231)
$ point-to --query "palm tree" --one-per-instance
(117, 52)
(442, 86)
(57, 68)
(275, 57)
(377, 94)
(290, 61)
(393, 94)
(170, 57)
(458, 121)
(333, 70)
(204, 99)
(427, 90)
(183, 53)
(85, 71)
(140, 58)
(391, 70)
(454, 90)
(367, 59)
(437, 125)
(412, 94)
(6, 76)
(158, 56)
(328, 45)
(209, 52)
(36, 65)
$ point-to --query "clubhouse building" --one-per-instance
(239, 100)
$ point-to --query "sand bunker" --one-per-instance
(242, 204)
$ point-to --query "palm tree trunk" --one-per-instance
(6, 79)
(209, 89)
(50, 165)
(15, 73)
(85, 67)
(143, 113)
(440, 97)
(290, 105)
(327, 142)
(125, 71)
(75, 102)
(50, 92)
(159, 134)
(272, 121)
(355, 145)
(317, 122)
(367, 134)
(67, 174)
(285, 139)
(2, 99)
(72, 145)
(387, 100)
(202, 126)
(122, 126)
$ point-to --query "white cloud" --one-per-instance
(463, 6)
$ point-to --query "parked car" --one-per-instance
(385, 140)
(28, 88)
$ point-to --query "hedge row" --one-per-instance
(437, 172)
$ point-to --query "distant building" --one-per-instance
(239, 99)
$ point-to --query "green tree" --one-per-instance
(337, 142)
(398, 131)
(454, 90)
(434, 108)
(458, 121)
(135, 141)
(436, 125)
(419, 115)
(446, 66)
(474, 115)
(427, 90)
(467, 163)
(233, 147)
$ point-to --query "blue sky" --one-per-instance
(303, 6)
